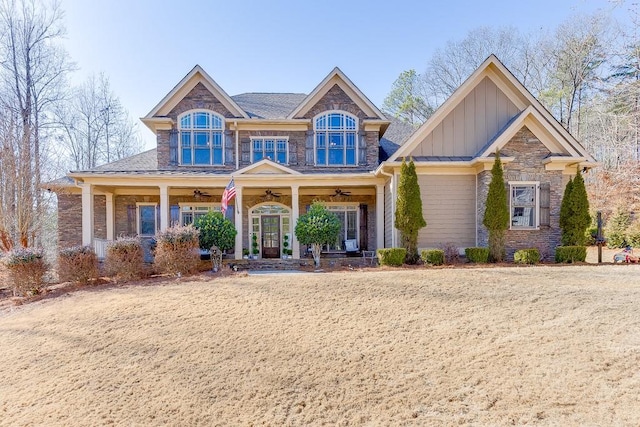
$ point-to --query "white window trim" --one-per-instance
(346, 207)
(275, 148)
(537, 205)
(139, 219)
(215, 207)
(344, 130)
(192, 129)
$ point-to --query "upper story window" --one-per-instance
(275, 149)
(335, 139)
(201, 138)
(524, 201)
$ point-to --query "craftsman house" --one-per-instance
(285, 150)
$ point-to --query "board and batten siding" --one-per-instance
(388, 216)
(471, 124)
(448, 206)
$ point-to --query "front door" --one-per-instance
(270, 236)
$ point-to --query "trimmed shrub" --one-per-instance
(177, 250)
(571, 254)
(432, 256)
(477, 255)
(496, 213)
(125, 259)
(409, 219)
(215, 230)
(392, 256)
(78, 264)
(25, 268)
(527, 256)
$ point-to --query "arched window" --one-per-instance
(201, 138)
(335, 139)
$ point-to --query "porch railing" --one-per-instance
(100, 248)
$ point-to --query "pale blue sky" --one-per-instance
(146, 46)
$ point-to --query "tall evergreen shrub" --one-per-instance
(409, 219)
(496, 213)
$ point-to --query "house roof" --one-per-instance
(268, 105)
(145, 161)
(396, 134)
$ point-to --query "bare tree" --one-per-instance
(94, 126)
(32, 70)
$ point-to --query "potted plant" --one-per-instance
(245, 253)
(254, 245)
(285, 245)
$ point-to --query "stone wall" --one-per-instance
(529, 154)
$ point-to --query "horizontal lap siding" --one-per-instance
(448, 206)
(388, 217)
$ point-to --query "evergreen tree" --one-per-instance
(574, 212)
(565, 214)
(409, 219)
(317, 227)
(496, 213)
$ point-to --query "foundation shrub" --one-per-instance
(527, 256)
(571, 254)
(78, 264)
(392, 256)
(25, 269)
(125, 259)
(451, 253)
(477, 255)
(177, 251)
(432, 256)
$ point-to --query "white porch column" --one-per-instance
(164, 207)
(238, 221)
(379, 216)
(87, 214)
(394, 195)
(295, 213)
(110, 216)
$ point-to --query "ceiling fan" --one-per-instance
(340, 192)
(197, 194)
(270, 195)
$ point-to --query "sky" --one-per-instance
(145, 47)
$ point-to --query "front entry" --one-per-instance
(270, 236)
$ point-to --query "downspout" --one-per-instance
(235, 124)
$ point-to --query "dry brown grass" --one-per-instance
(494, 346)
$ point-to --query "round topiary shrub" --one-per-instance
(527, 256)
(432, 256)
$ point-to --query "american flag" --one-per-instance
(228, 194)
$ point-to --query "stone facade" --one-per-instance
(529, 154)
(70, 219)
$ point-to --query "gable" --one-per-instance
(266, 167)
(200, 98)
(468, 127)
(437, 130)
(335, 99)
(343, 92)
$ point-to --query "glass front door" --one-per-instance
(270, 236)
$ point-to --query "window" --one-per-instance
(147, 219)
(349, 227)
(524, 204)
(201, 138)
(274, 149)
(189, 213)
(335, 139)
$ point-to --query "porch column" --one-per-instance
(379, 216)
(295, 213)
(110, 217)
(164, 207)
(393, 189)
(238, 221)
(87, 214)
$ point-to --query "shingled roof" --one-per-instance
(397, 133)
(268, 105)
